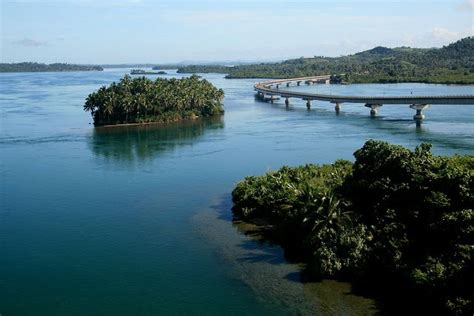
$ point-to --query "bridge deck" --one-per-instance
(265, 87)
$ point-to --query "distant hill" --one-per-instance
(450, 64)
(37, 67)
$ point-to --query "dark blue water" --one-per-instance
(137, 221)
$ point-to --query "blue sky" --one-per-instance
(136, 31)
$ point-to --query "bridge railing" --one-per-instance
(419, 103)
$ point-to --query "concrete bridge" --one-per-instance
(270, 91)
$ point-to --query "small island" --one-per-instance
(396, 223)
(166, 66)
(38, 67)
(141, 100)
(144, 72)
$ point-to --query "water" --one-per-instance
(137, 221)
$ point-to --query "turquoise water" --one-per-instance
(137, 221)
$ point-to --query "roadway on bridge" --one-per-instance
(266, 87)
(270, 89)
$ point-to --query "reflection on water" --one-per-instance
(141, 143)
(262, 267)
(439, 129)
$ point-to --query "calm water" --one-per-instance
(136, 220)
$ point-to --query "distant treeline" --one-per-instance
(206, 69)
(450, 64)
(37, 67)
(141, 100)
(161, 67)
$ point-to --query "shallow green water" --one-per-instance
(136, 220)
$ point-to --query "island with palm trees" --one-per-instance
(141, 100)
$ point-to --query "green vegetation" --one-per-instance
(145, 72)
(396, 221)
(167, 66)
(141, 100)
(205, 69)
(36, 67)
(450, 64)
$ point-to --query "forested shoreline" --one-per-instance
(39, 67)
(141, 100)
(452, 64)
(396, 222)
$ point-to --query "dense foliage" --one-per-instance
(37, 67)
(142, 100)
(397, 220)
(450, 64)
(205, 69)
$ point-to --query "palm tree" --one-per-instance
(131, 100)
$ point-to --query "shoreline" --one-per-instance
(187, 120)
(368, 82)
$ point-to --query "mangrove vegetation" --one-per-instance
(450, 64)
(397, 223)
(141, 100)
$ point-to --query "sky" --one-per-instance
(168, 31)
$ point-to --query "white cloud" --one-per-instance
(467, 5)
(108, 3)
(442, 34)
(437, 37)
(92, 3)
(29, 42)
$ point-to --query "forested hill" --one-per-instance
(37, 67)
(450, 64)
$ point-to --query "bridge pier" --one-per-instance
(419, 116)
(373, 109)
(267, 91)
(287, 102)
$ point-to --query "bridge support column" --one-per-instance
(373, 109)
(337, 107)
(298, 83)
(288, 84)
(419, 116)
(287, 102)
(308, 104)
(278, 86)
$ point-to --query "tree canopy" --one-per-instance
(396, 220)
(142, 100)
(37, 67)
